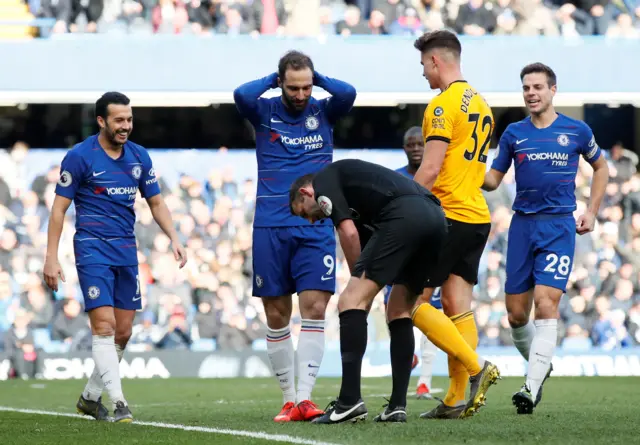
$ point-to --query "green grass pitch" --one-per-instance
(581, 411)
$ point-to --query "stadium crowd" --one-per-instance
(208, 304)
(570, 18)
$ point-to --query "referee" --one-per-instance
(390, 229)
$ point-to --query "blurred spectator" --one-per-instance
(169, 17)
(475, 19)
(92, 11)
(24, 358)
(352, 23)
(71, 323)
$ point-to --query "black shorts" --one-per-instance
(405, 244)
(461, 252)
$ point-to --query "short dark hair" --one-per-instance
(110, 98)
(294, 191)
(294, 60)
(539, 68)
(440, 39)
(412, 132)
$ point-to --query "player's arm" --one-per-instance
(247, 96)
(349, 241)
(343, 95)
(52, 267)
(329, 193)
(501, 163)
(162, 216)
(437, 129)
(72, 173)
(594, 156)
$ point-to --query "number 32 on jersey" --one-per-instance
(482, 130)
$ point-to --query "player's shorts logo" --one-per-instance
(65, 179)
(438, 111)
(325, 205)
(136, 171)
(94, 292)
(311, 123)
(563, 140)
(259, 281)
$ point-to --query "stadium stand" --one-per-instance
(614, 18)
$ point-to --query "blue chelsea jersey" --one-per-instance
(290, 145)
(104, 192)
(546, 162)
(404, 171)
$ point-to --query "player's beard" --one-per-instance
(112, 136)
(292, 105)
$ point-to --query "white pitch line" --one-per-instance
(173, 426)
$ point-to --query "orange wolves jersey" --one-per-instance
(462, 118)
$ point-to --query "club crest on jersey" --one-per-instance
(563, 140)
(136, 171)
(438, 111)
(325, 205)
(312, 123)
(65, 179)
(93, 292)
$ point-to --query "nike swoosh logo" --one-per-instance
(311, 366)
(435, 298)
(326, 278)
(276, 121)
(384, 416)
(521, 141)
(278, 375)
(556, 277)
(335, 417)
(98, 174)
(136, 299)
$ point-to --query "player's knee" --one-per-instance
(546, 308)
(123, 336)
(313, 304)
(517, 318)
(278, 313)
(395, 313)
(315, 310)
(103, 328)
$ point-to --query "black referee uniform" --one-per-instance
(401, 227)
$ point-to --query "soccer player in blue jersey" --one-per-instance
(545, 149)
(413, 146)
(102, 176)
(294, 137)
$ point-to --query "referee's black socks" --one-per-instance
(402, 346)
(353, 344)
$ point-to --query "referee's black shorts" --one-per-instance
(405, 244)
(461, 253)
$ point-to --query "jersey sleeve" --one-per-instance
(72, 172)
(329, 196)
(503, 158)
(148, 185)
(438, 121)
(589, 148)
